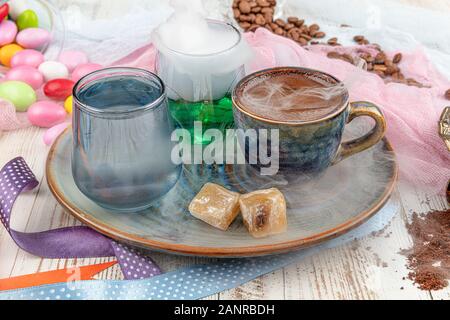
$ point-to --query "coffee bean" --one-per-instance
(236, 13)
(332, 41)
(263, 3)
(300, 23)
(397, 58)
(319, 35)
(447, 94)
(314, 27)
(334, 55)
(289, 26)
(268, 27)
(279, 31)
(280, 22)
(358, 38)
(380, 58)
(390, 70)
(256, 9)
(293, 20)
(302, 41)
(305, 36)
(348, 58)
(244, 6)
(260, 20)
(267, 10)
(245, 18)
(380, 67)
(245, 25)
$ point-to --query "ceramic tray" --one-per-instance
(319, 210)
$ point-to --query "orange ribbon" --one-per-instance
(52, 277)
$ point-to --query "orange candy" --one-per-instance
(7, 52)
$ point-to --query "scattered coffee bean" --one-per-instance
(358, 38)
(380, 58)
(320, 35)
(447, 94)
(254, 14)
(332, 41)
(244, 7)
(397, 58)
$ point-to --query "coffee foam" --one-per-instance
(292, 96)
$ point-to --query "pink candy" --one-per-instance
(26, 74)
(83, 70)
(46, 114)
(72, 59)
(8, 32)
(51, 134)
(27, 57)
(33, 38)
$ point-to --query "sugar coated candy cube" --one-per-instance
(216, 206)
(264, 212)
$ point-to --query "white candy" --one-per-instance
(53, 70)
(16, 7)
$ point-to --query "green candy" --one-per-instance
(20, 94)
(27, 19)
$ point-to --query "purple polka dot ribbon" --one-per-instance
(65, 243)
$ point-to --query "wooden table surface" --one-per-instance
(371, 268)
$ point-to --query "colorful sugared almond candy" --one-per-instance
(33, 38)
(7, 53)
(8, 32)
(264, 212)
(216, 206)
(68, 105)
(59, 89)
(20, 94)
(46, 114)
(27, 19)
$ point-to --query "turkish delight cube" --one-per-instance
(264, 212)
(216, 206)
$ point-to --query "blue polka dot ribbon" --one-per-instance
(73, 242)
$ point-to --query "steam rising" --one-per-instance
(199, 59)
(293, 97)
(187, 30)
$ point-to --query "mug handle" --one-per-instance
(361, 109)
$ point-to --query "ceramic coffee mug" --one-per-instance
(310, 146)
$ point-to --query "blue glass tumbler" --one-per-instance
(122, 139)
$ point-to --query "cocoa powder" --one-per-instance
(429, 258)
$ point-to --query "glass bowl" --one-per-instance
(50, 19)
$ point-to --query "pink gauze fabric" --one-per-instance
(412, 113)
